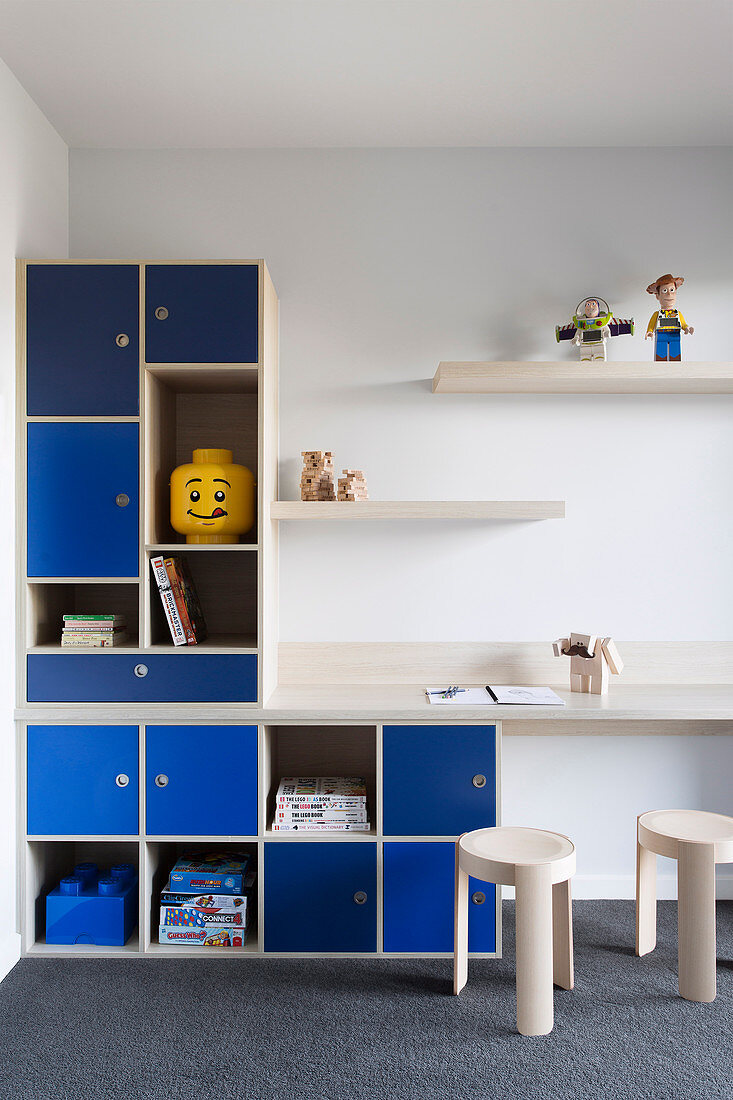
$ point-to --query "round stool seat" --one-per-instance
(493, 855)
(661, 830)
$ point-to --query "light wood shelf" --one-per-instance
(418, 509)
(578, 378)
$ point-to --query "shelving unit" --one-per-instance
(583, 378)
(418, 509)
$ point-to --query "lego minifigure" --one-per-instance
(666, 323)
(590, 329)
(590, 661)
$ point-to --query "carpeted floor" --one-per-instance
(382, 1029)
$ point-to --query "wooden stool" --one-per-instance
(539, 865)
(697, 840)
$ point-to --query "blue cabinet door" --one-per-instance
(202, 313)
(320, 896)
(201, 780)
(419, 896)
(82, 339)
(433, 779)
(112, 677)
(78, 478)
(83, 780)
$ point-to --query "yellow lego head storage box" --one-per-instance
(212, 498)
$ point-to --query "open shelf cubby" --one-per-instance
(46, 863)
(319, 751)
(48, 602)
(189, 407)
(160, 857)
(226, 584)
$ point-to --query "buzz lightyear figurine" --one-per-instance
(666, 324)
(590, 328)
(592, 324)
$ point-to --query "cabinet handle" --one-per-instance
(161, 780)
(122, 500)
(479, 780)
(122, 780)
(360, 897)
(478, 898)
(140, 671)
(161, 313)
(122, 339)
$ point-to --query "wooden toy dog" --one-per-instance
(591, 659)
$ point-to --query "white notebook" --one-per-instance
(501, 695)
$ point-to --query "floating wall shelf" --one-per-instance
(418, 509)
(647, 377)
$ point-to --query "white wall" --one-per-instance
(387, 261)
(33, 223)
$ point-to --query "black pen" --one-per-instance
(494, 697)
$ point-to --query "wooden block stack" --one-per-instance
(352, 485)
(316, 481)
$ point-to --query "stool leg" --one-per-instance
(696, 920)
(534, 949)
(563, 973)
(646, 900)
(460, 932)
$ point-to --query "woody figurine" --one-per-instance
(665, 325)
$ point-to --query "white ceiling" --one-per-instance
(294, 73)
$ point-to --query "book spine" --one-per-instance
(321, 804)
(286, 816)
(175, 586)
(93, 618)
(322, 826)
(91, 643)
(168, 600)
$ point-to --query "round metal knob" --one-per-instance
(161, 781)
(140, 671)
(478, 898)
(479, 780)
(122, 339)
(360, 897)
(122, 780)
(122, 500)
(161, 313)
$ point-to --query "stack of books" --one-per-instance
(93, 631)
(180, 601)
(316, 804)
(208, 901)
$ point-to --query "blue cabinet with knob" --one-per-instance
(82, 780)
(82, 499)
(321, 896)
(419, 884)
(201, 780)
(439, 780)
(201, 313)
(82, 346)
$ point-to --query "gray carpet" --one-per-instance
(379, 1029)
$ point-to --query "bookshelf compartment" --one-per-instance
(47, 603)
(46, 863)
(160, 857)
(226, 583)
(187, 409)
(320, 751)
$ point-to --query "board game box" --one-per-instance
(211, 872)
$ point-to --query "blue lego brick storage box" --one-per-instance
(93, 908)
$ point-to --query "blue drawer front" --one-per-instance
(72, 786)
(212, 780)
(212, 313)
(75, 526)
(75, 314)
(419, 895)
(428, 779)
(110, 678)
(309, 896)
